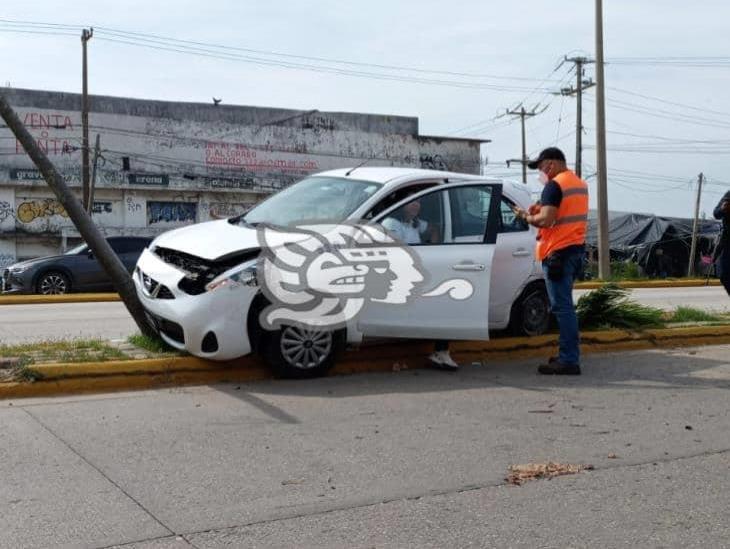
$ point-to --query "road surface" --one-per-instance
(27, 323)
(407, 459)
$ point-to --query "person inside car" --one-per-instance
(406, 226)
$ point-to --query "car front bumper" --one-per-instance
(15, 283)
(185, 320)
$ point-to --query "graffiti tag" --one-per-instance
(433, 162)
(171, 212)
(133, 206)
(6, 210)
(223, 210)
(33, 209)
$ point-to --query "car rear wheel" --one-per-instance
(53, 283)
(299, 351)
(530, 314)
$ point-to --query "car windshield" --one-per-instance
(77, 249)
(312, 201)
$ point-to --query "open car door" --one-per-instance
(451, 232)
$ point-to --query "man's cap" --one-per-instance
(551, 153)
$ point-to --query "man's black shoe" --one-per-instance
(557, 368)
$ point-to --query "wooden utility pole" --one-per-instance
(89, 232)
(523, 114)
(580, 86)
(86, 35)
(97, 152)
(604, 258)
(695, 226)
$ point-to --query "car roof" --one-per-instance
(387, 175)
(395, 176)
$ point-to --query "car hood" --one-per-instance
(210, 240)
(214, 240)
(35, 261)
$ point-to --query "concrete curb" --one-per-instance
(104, 297)
(65, 298)
(127, 375)
(635, 284)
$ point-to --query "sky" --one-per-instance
(457, 67)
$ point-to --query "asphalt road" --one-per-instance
(402, 459)
(27, 323)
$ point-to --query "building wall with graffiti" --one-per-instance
(164, 164)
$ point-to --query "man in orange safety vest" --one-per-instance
(561, 217)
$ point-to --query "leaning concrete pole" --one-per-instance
(81, 219)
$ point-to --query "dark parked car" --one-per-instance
(75, 271)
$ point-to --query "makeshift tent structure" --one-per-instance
(637, 237)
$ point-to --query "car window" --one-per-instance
(469, 212)
(418, 222)
(509, 222)
(317, 199)
(397, 196)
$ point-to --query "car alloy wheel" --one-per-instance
(535, 313)
(305, 348)
(53, 284)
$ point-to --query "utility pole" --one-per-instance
(695, 226)
(113, 266)
(97, 151)
(577, 90)
(86, 35)
(523, 114)
(604, 259)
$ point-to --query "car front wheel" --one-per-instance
(53, 283)
(299, 351)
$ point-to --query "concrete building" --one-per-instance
(166, 164)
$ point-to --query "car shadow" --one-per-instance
(646, 370)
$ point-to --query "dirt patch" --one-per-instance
(519, 474)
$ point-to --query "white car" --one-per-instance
(200, 289)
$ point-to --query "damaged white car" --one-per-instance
(438, 255)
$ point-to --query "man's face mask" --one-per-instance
(543, 171)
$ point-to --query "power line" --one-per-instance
(674, 103)
(234, 53)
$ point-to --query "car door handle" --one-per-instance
(521, 252)
(468, 267)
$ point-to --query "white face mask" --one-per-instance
(543, 177)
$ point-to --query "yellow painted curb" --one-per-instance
(635, 284)
(127, 375)
(65, 298)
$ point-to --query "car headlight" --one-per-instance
(241, 275)
(19, 269)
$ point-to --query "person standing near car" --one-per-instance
(722, 250)
(561, 217)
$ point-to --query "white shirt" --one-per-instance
(404, 230)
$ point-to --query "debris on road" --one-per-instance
(532, 471)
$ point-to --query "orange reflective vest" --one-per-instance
(570, 226)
